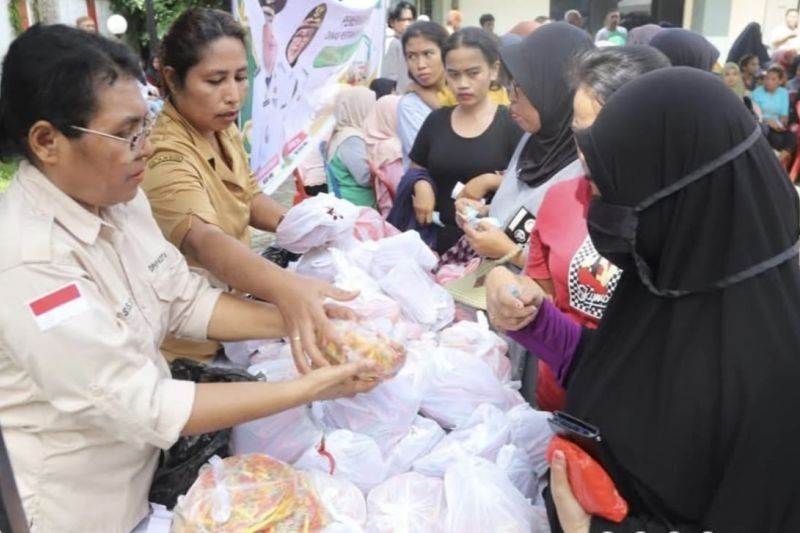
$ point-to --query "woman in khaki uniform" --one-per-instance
(201, 188)
(90, 288)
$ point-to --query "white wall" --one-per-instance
(506, 12)
(6, 33)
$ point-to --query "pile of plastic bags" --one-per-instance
(447, 444)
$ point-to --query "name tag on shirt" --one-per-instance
(520, 227)
(57, 306)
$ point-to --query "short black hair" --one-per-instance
(53, 73)
(777, 69)
(190, 34)
(745, 59)
(488, 17)
(276, 5)
(473, 38)
(790, 10)
(396, 11)
(603, 71)
(430, 31)
(382, 87)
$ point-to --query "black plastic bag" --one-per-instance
(178, 467)
(279, 256)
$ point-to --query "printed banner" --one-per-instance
(301, 53)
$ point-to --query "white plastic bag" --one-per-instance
(370, 226)
(459, 383)
(421, 299)
(483, 434)
(408, 503)
(531, 432)
(515, 463)
(373, 306)
(351, 455)
(481, 498)
(350, 276)
(385, 413)
(421, 439)
(343, 501)
(318, 222)
(479, 341)
(284, 435)
(317, 263)
(379, 257)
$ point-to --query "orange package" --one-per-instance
(590, 483)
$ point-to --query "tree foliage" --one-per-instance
(165, 12)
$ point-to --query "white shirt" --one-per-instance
(781, 32)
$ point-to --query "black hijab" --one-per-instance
(685, 48)
(540, 65)
(749, 42)
(697, 396)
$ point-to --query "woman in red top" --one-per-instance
(562, 259)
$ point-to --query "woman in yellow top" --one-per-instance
(422, 46)
(202, 190)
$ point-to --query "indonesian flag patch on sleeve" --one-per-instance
(53, 308)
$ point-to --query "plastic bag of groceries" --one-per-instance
(482, 435)
(350, 276)
(318, 263)
(370, 226)
(407, 503)
(422, 437)
(284, 435)
(248, 493)
(479, 341)
(385, 413)
(421, 299)
(361, 342)
(515, 463)
(318, 222)
(377, 258)
(347, 455)
(531, 432)
(374, 305)
(459, 384)
(480, 497)
(343, 501)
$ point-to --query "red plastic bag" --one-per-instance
(591, 485)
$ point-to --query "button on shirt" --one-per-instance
(87, 399)
(186, 177)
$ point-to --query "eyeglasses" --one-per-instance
(136, 141)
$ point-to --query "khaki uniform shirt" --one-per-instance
(186, 177)
(87, 399)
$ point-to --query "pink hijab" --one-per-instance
(380, 132)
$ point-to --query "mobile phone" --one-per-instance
(576, 430)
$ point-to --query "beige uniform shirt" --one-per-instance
(185, 177)
(87, 399)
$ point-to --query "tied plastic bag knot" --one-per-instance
(407, 503)
(480, 497)
(318, 222)
(221, 499)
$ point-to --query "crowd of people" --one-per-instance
(621, 204)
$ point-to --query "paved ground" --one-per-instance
(284, 195)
